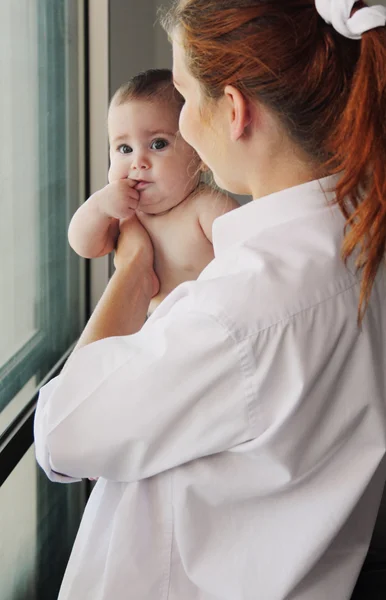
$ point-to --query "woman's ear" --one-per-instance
(239, 112)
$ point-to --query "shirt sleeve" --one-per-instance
(127, 408)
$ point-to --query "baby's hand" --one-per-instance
(118, 199)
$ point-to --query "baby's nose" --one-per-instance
(140, 162)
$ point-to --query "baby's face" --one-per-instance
(145, 146)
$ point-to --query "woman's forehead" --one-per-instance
(179, 63)
(182, 76)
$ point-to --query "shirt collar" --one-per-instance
(275, 209)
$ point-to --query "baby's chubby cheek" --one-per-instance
(112, 175)
(116, 173)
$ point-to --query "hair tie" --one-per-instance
(338, 14)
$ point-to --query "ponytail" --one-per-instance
(358, 147)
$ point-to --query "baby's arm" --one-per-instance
(91, 232)
(210, 205)
(94, 228)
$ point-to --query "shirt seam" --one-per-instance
(169, 568)
(221, 320)
(243, 361)
(287, 318)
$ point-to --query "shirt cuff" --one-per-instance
(40, 435)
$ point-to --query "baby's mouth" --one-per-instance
(142, 185)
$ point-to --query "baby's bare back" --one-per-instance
(181, 246)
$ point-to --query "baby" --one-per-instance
(155, 174)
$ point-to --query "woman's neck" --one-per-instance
(286, 176)
(274, 161)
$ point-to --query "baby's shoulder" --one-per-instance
(209, 199)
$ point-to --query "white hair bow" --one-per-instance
(337, 13)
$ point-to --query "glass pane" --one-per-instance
(12, 409)
(19, 169)
(42, 183)
(38, 524)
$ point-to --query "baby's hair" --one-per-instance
(152, 85)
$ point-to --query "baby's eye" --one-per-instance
(124, 149)
(159, 144)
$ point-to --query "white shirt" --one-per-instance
(239, 437)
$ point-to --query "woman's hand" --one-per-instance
(135, 242)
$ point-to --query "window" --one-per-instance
(42, 308)
(42, 281)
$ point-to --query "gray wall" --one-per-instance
(136, 41)
(163, 49)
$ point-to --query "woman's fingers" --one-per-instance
(134, 240)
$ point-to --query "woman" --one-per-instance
(239, 435)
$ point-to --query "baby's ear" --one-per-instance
(203, 167)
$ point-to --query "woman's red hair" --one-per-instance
(328, 91)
